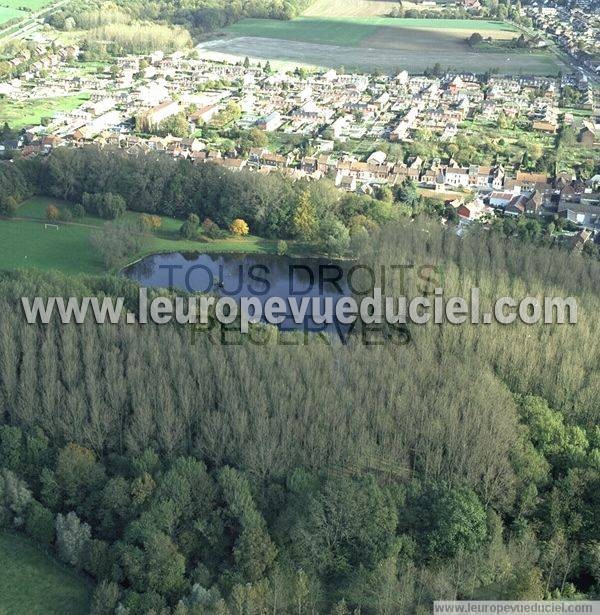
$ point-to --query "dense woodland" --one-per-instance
(198, 16)
(204, 478)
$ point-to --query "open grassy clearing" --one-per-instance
(26, 243)
(31, 5)
(9, 13)
(32, 582)
(350, 8)
(378, 43)
(20, 114)
(361, 8)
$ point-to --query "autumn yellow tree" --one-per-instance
(305, 218)
(239, 227)
(150, 223)
(52, 213)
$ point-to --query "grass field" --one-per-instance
(360, 8)
(27, 244)
(32, 582)
(31, 5)
(20, 114)
(350, 8)
(9, 13)
(370, 43)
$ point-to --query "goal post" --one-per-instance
(54, 227)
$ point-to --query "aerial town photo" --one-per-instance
(299, 307)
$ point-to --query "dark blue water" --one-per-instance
(238, 276)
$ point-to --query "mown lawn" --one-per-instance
(32, 582)
(26, 243)
(9, 13)
(20, 114)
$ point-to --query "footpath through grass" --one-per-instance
(33, 582)
(27, 243)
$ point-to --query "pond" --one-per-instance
(250, 275)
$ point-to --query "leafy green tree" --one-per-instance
(112, 206)
(305, 218)
(334, 237)
(11, 443)
(77, 474)
(40, 524)
(282, 248)
(450, 520)
(254, 553)
(105, 598)
(348, 524)
(8, 206)
(189, 229)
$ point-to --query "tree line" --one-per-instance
(198, 16)
(271, 205)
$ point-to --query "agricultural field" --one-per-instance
(28, 244)
(378, 43)
(8, 14)
(20, 114)
(350, 8)
(34, 583)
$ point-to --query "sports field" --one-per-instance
(26, 243)
(32, 582)
(370, 43)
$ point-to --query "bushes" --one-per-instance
(118, 242)
(189, 229)
(11, 442)
(40, 524)
(106, 205)
(8, 206)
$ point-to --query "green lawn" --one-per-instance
(28, 244)
(8, 13)
(32, 5)
(32, 582)
(20, 114)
